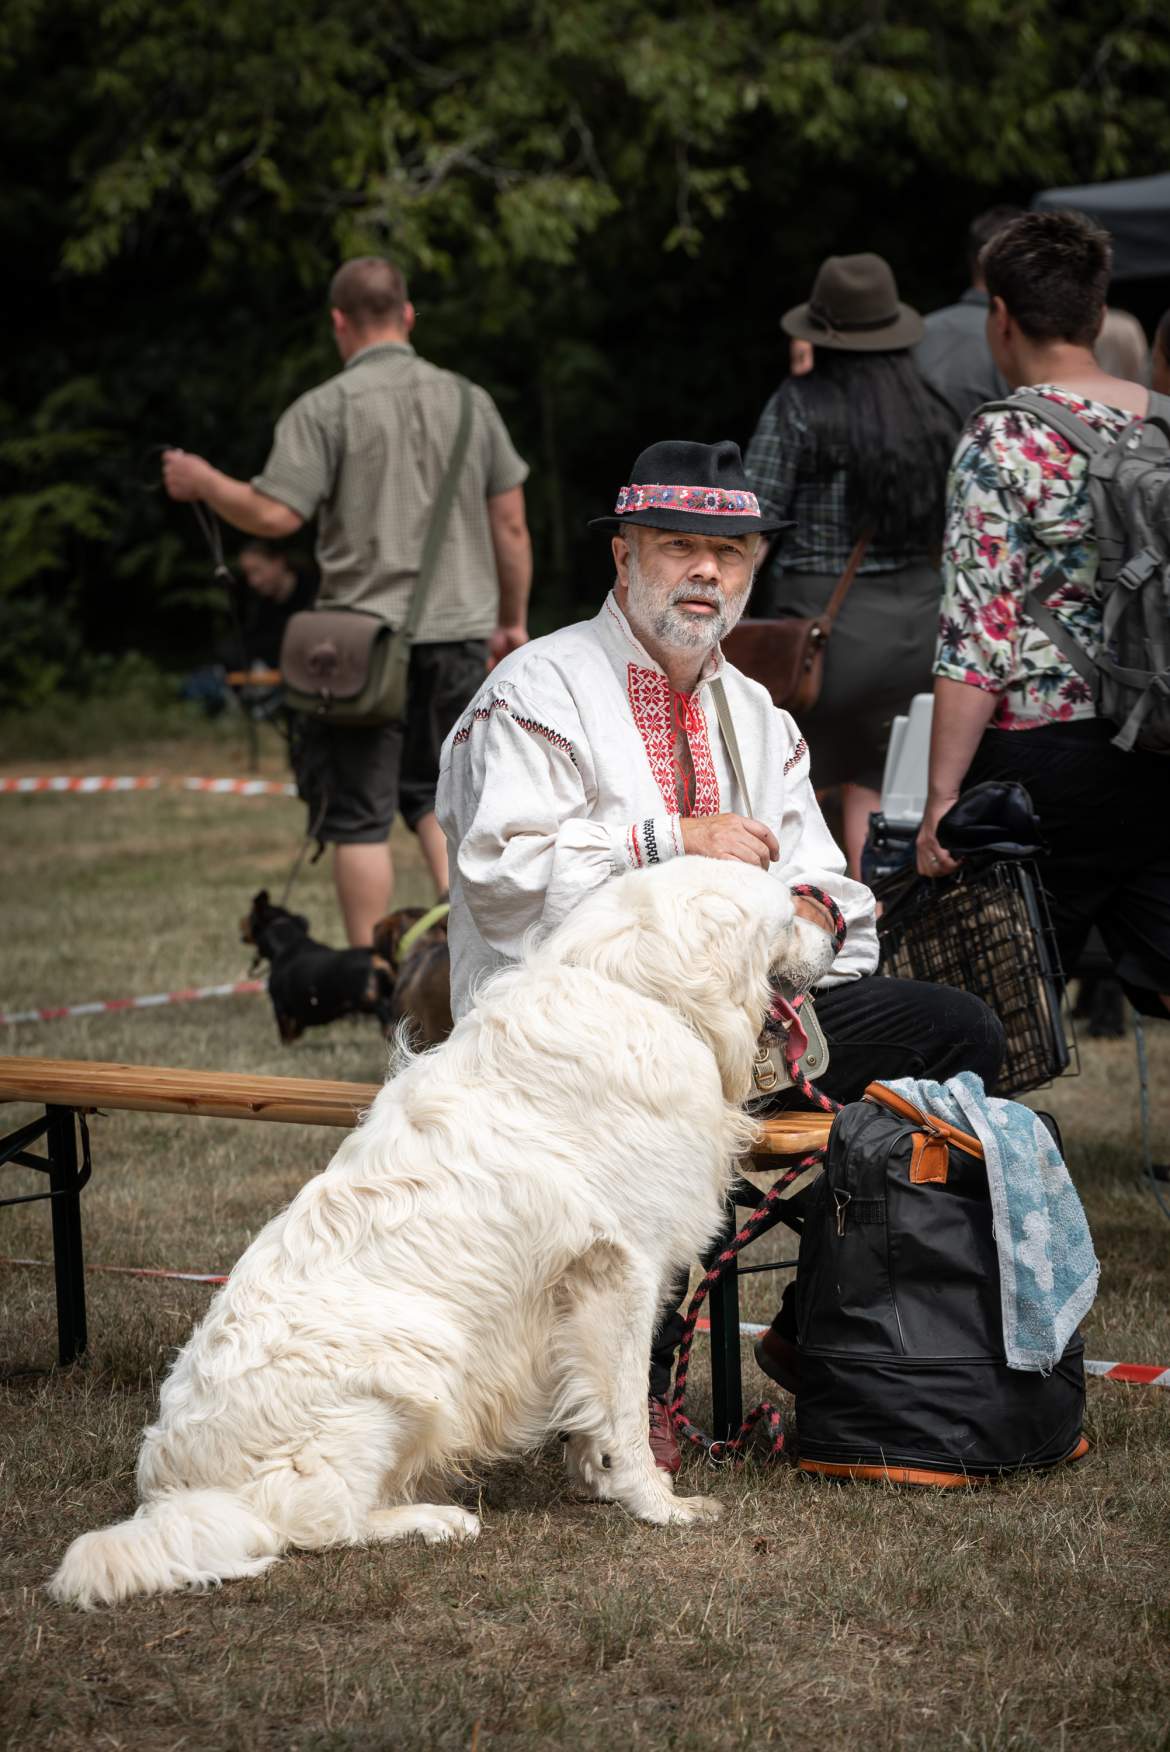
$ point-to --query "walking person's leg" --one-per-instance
(348, 779)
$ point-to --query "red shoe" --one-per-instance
(663, 1441)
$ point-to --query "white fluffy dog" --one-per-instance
(483, 1261)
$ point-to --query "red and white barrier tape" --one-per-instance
(1138, 1374)
(93, 783)
(67, 782)
(240, 787)
(187, 995)
(138, 1271)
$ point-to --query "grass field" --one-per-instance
(1033, 1614)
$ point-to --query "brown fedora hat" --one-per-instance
(854, 306)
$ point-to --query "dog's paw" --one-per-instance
(690, 1510)
(587, 1468)
(442, 1521)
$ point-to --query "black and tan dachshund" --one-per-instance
(422, 977)
(309, 983)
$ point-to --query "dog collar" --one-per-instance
(421, 926)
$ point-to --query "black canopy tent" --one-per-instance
(1136, 212)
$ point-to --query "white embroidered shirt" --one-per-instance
(565, 770)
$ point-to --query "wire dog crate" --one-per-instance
(987, 931)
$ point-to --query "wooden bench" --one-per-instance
(70, 1089)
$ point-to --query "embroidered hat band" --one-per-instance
(714, 501)
(696, 489)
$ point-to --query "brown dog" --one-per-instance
(422, 978)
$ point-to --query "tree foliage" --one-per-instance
(602, 205)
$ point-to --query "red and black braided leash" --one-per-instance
(765, 1216)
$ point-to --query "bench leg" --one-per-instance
(726, 1382)
(66, 1182)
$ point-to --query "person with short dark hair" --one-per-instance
(366, 453)
(856, 448)
(277, 591)
(953, 355)
(1007, 703)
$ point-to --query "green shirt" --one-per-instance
(366, 452)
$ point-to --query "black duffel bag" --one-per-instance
(902, 1369)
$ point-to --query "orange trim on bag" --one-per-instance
(929, 1159)
(924, 1162)
(922, 1474)
(894, 1474)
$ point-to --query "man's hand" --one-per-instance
(504, 640)
(185, 476)
(932, 859)
(736, 837)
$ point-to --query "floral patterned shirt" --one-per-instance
(1017, 501)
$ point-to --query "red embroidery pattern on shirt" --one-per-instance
(530, 724)
(797, 755)
(652, 701)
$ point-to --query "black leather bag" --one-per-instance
(902, 1369)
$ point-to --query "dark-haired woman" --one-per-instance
(858, 447)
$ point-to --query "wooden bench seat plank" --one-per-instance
(85, 1083)
(89, 1083)
(793, 1134)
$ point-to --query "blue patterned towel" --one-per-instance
(1047, 1268)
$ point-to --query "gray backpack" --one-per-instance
(1129, 495)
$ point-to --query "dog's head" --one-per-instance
(256, 927)
(389, 932)
(705, 936)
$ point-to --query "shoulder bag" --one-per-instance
(788, 656)
(348, 666)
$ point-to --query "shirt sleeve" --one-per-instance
(302, 464)
(773, 454)
(516, 809)
(506, 468)
(995, 488)
(808, 853)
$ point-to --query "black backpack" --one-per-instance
(1129, 496)
(902, 1368)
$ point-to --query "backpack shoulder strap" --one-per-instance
(1039, 612)
(1071, 427)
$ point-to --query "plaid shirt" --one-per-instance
(794, 478)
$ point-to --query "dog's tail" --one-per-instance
(185, 1539)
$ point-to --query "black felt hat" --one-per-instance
(699, 488)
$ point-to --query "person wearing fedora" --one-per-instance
(598, 749)
(855, 453)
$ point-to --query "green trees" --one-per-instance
(602, 206)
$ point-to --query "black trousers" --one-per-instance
(877, 1029)
(1106, 825)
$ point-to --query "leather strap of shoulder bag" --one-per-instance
(730, 740)
(845, 582)
(440, 516)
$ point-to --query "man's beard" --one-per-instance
(667, 622)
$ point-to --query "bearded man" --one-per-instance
(597, 750)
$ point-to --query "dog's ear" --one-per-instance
(389, 932)
(699, 939)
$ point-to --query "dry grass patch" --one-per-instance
(1029, 1615)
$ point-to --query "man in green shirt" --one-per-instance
(365, 452)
